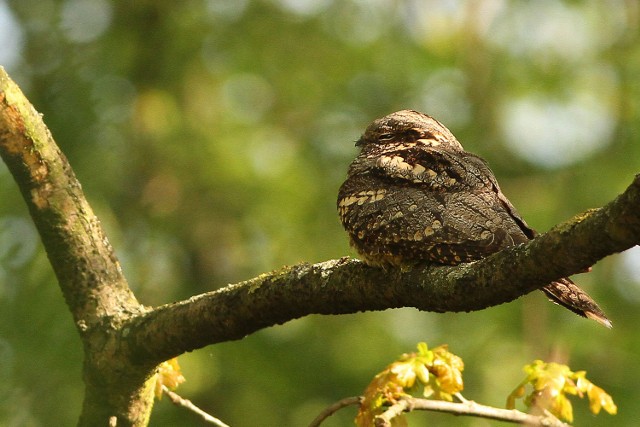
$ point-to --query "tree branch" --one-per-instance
(124, 341)
(80, 254)
(349, 286)
(335, 407)
(178, 400)
(83, 260)
(468, 408)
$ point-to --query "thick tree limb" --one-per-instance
(124, 341)
(349, 286)
(80, 254)
(84, 262)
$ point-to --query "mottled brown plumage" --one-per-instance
(414, 195)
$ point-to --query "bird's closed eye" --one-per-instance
(385, 137)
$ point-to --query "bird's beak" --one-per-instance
(360, 142)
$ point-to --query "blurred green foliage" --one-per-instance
(211, 137)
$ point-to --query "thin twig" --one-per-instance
(461, 398)
(330, 410)
(384, 419)
(469, 408)
(186, 403)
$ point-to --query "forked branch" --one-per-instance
(124, 341)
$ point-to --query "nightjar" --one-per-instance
(413, 195)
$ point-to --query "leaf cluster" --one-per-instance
(551, 383)
(437, 371)
(169, 375)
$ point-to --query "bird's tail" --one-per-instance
(567, 294)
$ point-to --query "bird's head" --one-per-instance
(407, 127)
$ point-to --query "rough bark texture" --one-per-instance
(124, 341)
(87, 269)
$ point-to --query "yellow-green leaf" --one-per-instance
(438, 371)
(552, 383)
(169, 375)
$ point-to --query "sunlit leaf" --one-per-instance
(438, 371)
(405, 373)
(599, 399)
(551, 383)
(169, 375)
(385, 389)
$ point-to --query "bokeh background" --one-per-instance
(211, 137)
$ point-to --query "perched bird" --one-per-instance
(413, 195)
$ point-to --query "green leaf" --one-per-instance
(438, 371)
(551, 385)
